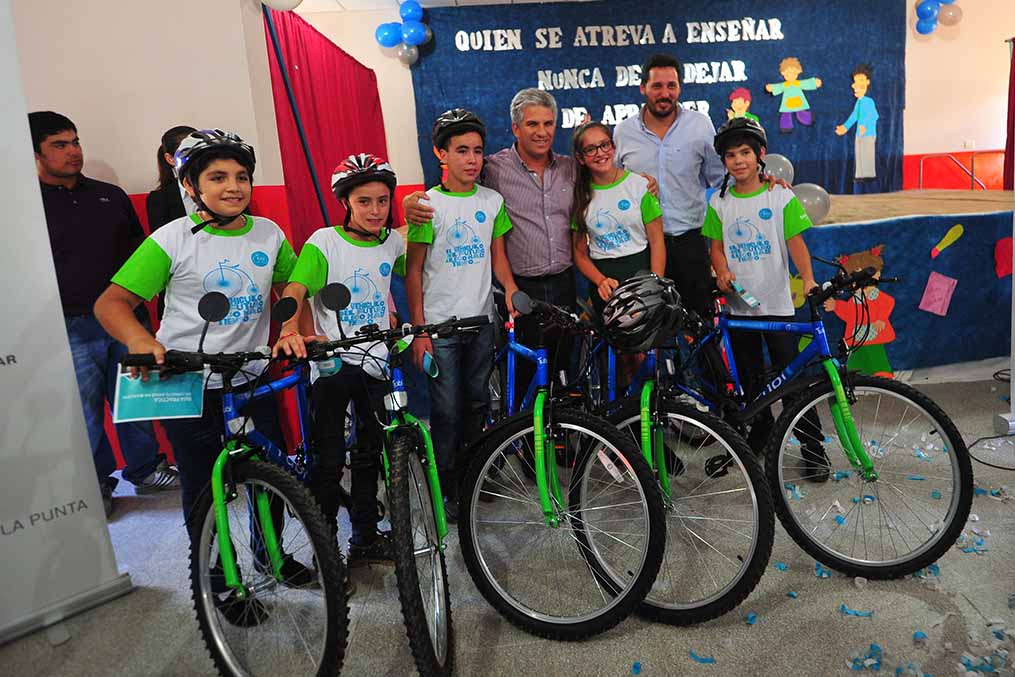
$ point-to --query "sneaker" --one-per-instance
(378, 551)
(164, 477)
(294, 574)
(816, 465)
(451, 510)
(243, 613)
(107, 498)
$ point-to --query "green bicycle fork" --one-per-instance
(546, 479)
(227, 554)
(845, 427)
(430, 467)
(652, 447)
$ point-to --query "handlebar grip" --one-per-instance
(138, 360)
(472, 322)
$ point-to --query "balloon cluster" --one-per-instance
(405, 37)
(930, 13)
(813, 197)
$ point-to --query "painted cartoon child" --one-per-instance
(866, 340)
(865, 117)
(740, 101)
(792, 90)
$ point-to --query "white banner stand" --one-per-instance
(57, 556)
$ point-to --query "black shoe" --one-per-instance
(243, 613)
(718, 466)
(294, 574)
(107, 498)
(816, 465)
(377, 551)
(451, 510)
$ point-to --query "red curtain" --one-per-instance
(1009, 146)
(341, 113)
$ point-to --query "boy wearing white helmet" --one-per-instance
(362, 254)
(219, 248)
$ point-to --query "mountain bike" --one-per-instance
(561, 523)
(890, 490)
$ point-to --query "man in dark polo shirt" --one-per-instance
(93, 229)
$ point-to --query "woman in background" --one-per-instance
(169, 201)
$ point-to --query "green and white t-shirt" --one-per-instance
(242, 264)
(753, 229)
(616, 217)
(331, 255)
(457, 272)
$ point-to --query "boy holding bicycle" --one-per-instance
(754, 232)
(362, 254)
(448, 273)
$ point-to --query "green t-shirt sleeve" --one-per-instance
(311, 269)
(399, 267)
(794, 219)
(650, 208)
(146, 272)
(502, 223)
(284, 263)
(420, 233)
(712, 227)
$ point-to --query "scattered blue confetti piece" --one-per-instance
(979, 491)
(920, 638)
(853, 612)
(636, 668)
(979, 541)
(828, 440)
(918, 478)
(751, 618)
(792, 594)
(794, 441)
(820, 571)
(793, 490)
(840, 475)
(706, 660)
(995, 492)
(935, 495)
(934, 569)
(840, 520)
(868, 499)
(781, 566)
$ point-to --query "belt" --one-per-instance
(548, 276)
(693, 231)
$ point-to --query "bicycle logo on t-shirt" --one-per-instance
(367, 304)
(246, 302)
(464, 248)
(612, 233)
(746, 242)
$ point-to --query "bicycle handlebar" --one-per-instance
(182, 360)
(373, 334)
(847, 282)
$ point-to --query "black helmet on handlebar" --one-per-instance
(643, 313)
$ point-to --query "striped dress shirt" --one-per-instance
(540, 242)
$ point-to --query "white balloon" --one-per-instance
(815, 200)
(407, 54)
(949, 15)
(282, 5)
(780, 167)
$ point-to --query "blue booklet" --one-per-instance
(179, 396)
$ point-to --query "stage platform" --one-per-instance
(857, 208)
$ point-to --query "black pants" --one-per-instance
(750, 360)
(330, 399)
(558, 289)
(688, 265)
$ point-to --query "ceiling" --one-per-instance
(310, 6)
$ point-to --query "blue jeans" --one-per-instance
(459, 400)
(96, 358)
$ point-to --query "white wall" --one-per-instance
(354, 33)
(957, 80)
(126, 70)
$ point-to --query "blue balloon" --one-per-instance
(928, 9)
(946, 2)
(925, 27)
(388, 34)
(411, 11)
(413, 33)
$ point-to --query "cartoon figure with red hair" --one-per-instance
(740, 101)
(867, 332)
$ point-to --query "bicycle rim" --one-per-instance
(294, 637)
(719, 516)
(429, 569)
(549, 574)
(896, 524)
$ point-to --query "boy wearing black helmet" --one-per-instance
(219, 248)
(448, 273)
(754, 232)
(363, 255)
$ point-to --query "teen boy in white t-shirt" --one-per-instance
(448, 273)
(362, 254)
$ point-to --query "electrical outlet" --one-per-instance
(969, 144)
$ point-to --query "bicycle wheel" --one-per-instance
(420, 568)
(278, 629)
(586, 574)
(887, 528)
(719, 517)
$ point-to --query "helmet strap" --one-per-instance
(347, 226)
(216, 219)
